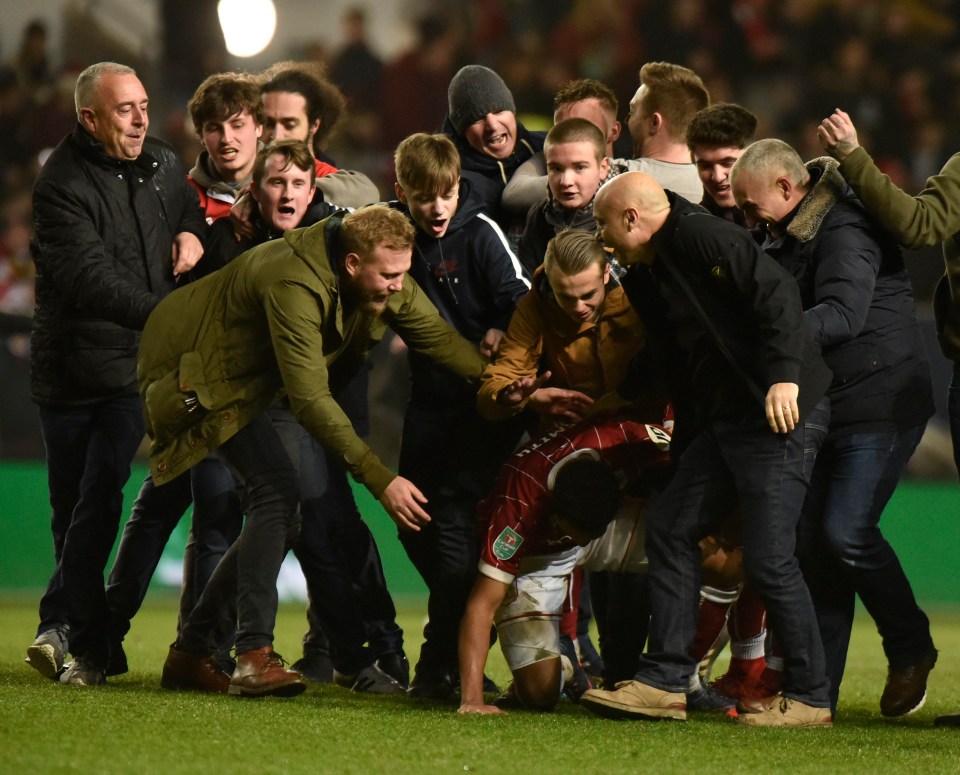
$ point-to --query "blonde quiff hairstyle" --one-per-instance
(572, 252)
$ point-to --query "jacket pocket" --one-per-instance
(178, 400)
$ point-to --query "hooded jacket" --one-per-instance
(474, 280)
(103, 240)
(220, 351)
(859, 305)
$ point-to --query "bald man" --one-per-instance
(747, 386)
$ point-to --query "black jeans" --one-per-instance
(245, 580)
(452, 455)
(349, 601)
(89, 451)
(766, 475)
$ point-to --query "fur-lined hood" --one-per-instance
(826, 192)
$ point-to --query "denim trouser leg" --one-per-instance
(217, 519)
(765, 475)
(89, 452)
(855, 476)
(155, 514)
(245, 580)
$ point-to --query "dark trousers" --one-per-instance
(217, 518)
(843, 553)
(766, 475)
(452, 455)
(953, 412)
(621, 607)
(245, 580)
(89, 451)
(349, 601)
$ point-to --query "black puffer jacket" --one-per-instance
(102, 245)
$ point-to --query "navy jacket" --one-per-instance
(472, 277)
(859, 305)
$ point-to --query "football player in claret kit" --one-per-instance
(573, 497)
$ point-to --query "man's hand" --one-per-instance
(783, 414)
(838, 135)
(241, 217)
(187, 250)
(490, 343)
(478, 708)
(559, 402)
(520, 390)
(402, 501)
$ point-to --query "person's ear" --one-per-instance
(89, 119)
(398, 190)
(352, 264)
(614, 134)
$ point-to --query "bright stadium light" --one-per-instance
(248, 25)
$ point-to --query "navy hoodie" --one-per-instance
(472, 277)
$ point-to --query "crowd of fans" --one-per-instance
(895, 66)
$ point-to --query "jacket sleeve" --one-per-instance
(505, 277)
(847, 261)
(70, 253)
(348, 188)
(192, 218)
(926, 219)
(419, 324)
(295, 318)
(519, 356)
(527, 185)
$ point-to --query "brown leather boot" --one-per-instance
(197, 672)
(261, 672)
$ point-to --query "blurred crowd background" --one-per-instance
(894, 65)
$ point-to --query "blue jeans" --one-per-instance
(844, 554)
(89, 451)
(217, 518)
(245, 580)
(765, 475)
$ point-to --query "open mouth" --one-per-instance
(497, 141)
(286, 210)
(228, 153)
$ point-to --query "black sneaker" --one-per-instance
(315, 667)
(370, 680)
(708, 699)
(396, 666)
(427, 685)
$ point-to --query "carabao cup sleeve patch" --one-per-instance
(507, 543)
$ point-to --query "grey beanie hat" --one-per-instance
(475, 91)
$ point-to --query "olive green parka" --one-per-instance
(218, 352)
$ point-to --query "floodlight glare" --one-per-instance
(248, 25)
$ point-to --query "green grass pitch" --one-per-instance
(134, 726)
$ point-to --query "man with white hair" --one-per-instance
(115, 224)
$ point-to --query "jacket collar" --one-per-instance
(145, 164)
(826, 191)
